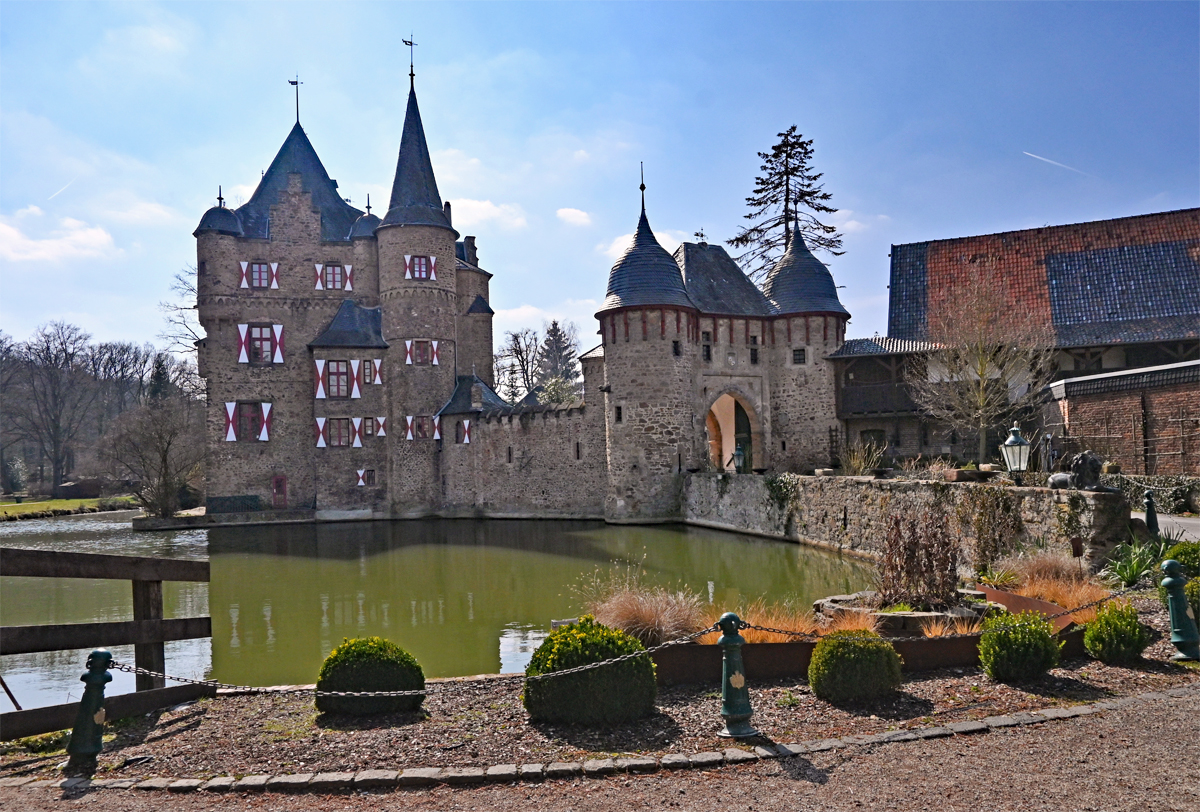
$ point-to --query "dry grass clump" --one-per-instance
(1067, 594)
(1043, 566)
(652, 614)
(789, 617)
(942, 626)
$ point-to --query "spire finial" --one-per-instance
(368, 202)
(220, 200)
(642, 166)
(412, 76)
(296, 84)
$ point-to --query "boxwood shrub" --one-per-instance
(608, 695)
(1018, 647)
(853, 665)
(369, 664)
(1116, 636)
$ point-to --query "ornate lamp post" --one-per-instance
(738, 459)
(1015, 451)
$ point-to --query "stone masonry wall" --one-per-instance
(851, 514)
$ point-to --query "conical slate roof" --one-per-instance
(645, 275)
(220, 220)
(415, 199)
(800, 283)
(297, 155)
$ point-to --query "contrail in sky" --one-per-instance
(72, 180)
(1056, 163)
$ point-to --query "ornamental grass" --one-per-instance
(1067, 594)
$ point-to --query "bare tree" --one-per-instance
(161, 445)
(54, 392)
(990, 363)
(182, 329)
(519, 357)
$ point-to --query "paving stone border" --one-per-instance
(559, 770)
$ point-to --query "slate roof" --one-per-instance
(297, 155)
(716, 284)
(645, 275)
(220, 220)
(364, 226)
(1185, 372)
(1126, 280)
(415, 200)
(595, 352)
(460, 401)
(801, 283)
(353, 326)
(880, 345)
(480, 305)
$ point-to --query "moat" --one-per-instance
(464, 596)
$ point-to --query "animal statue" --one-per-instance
(1085, 468)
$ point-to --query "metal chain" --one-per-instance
(643, 653)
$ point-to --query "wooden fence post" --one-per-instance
(148, 605)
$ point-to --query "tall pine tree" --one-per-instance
(557, 357)
(786, 186)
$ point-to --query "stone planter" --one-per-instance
(892, 624)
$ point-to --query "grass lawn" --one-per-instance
(9, 506)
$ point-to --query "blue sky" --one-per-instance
(118, 121)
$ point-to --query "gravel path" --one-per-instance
(1143, 756)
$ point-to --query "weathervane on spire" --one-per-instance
(412, 77)
(368, 202)
(642, 169)
(296, 84)
(220, 200)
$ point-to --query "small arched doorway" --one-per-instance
(729, 430)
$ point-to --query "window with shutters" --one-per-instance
(422, 352)
(338, 431)
(368, 424)
(261, 344)
(368, 371)
(338, 379)
(422, 427)
(798, 357)
(420, 267)
(249, 421)
(335, 277)
(260, 275)
(368, 477)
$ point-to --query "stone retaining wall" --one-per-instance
(851, 514)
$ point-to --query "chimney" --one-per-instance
(476, 396)
(446, 209)
(472, 252)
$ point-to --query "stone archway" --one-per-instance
(731, 423)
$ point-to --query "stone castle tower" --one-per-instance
(348, 361)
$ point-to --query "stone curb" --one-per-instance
(596, 768)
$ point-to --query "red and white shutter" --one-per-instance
(408, 266)
(356, 432)
(320, 277)
(230, 424)
(320, 378)
(409, 422)
(434, 354)
(274, 276)
(245, 283)
(243, 343)
(378, 371)
(362, 477)
(408, 352)
(433, 267)
(355, 378)
(437, 427)
(320, 432)
(381, 427)
(467, 432)
(349, 277)
(265, 434)
(277, 329)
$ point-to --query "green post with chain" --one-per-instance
(1151, 514)
(1184, 635)
(87, 737)
(735, 696)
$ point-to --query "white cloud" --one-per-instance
(140, 212)
(30, 211)
(668, 239)
(574, 217)
(580, 311)
(453, 166)
(846, 221)
(469, 213)
(73, 240)
(145, 49)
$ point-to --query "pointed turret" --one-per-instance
(800, 283)
(645, 275)
(415, 199)
(297, 156)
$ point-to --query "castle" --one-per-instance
(348, 363)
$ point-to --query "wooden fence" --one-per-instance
(146, 632)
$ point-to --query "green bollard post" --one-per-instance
(87, 738)
(1151, 513)
(735, 696)
(1184, 635)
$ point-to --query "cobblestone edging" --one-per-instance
(597, 768)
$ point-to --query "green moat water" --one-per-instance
(464, 596)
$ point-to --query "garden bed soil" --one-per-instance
(481, 722)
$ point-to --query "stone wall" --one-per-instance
(851, 514)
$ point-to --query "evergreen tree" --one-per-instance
(160, 378)
(558, 356)
(787, 185)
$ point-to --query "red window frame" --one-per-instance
(259, 275)
(260, 344)
(420, 267)
(338, 432)
(422, 427)
(335, 277)
(249, 421)
(368, 371)
(368, 424)
(422, 353)
(337, 379)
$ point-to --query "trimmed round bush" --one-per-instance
(369, 664)
(608, 695)
(1116, 636)
(853, 665)
(1018, 647)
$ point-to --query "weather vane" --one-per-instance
(412, 77)
(220, 200)
(368, 202)
(642, 169)
(296, 84)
